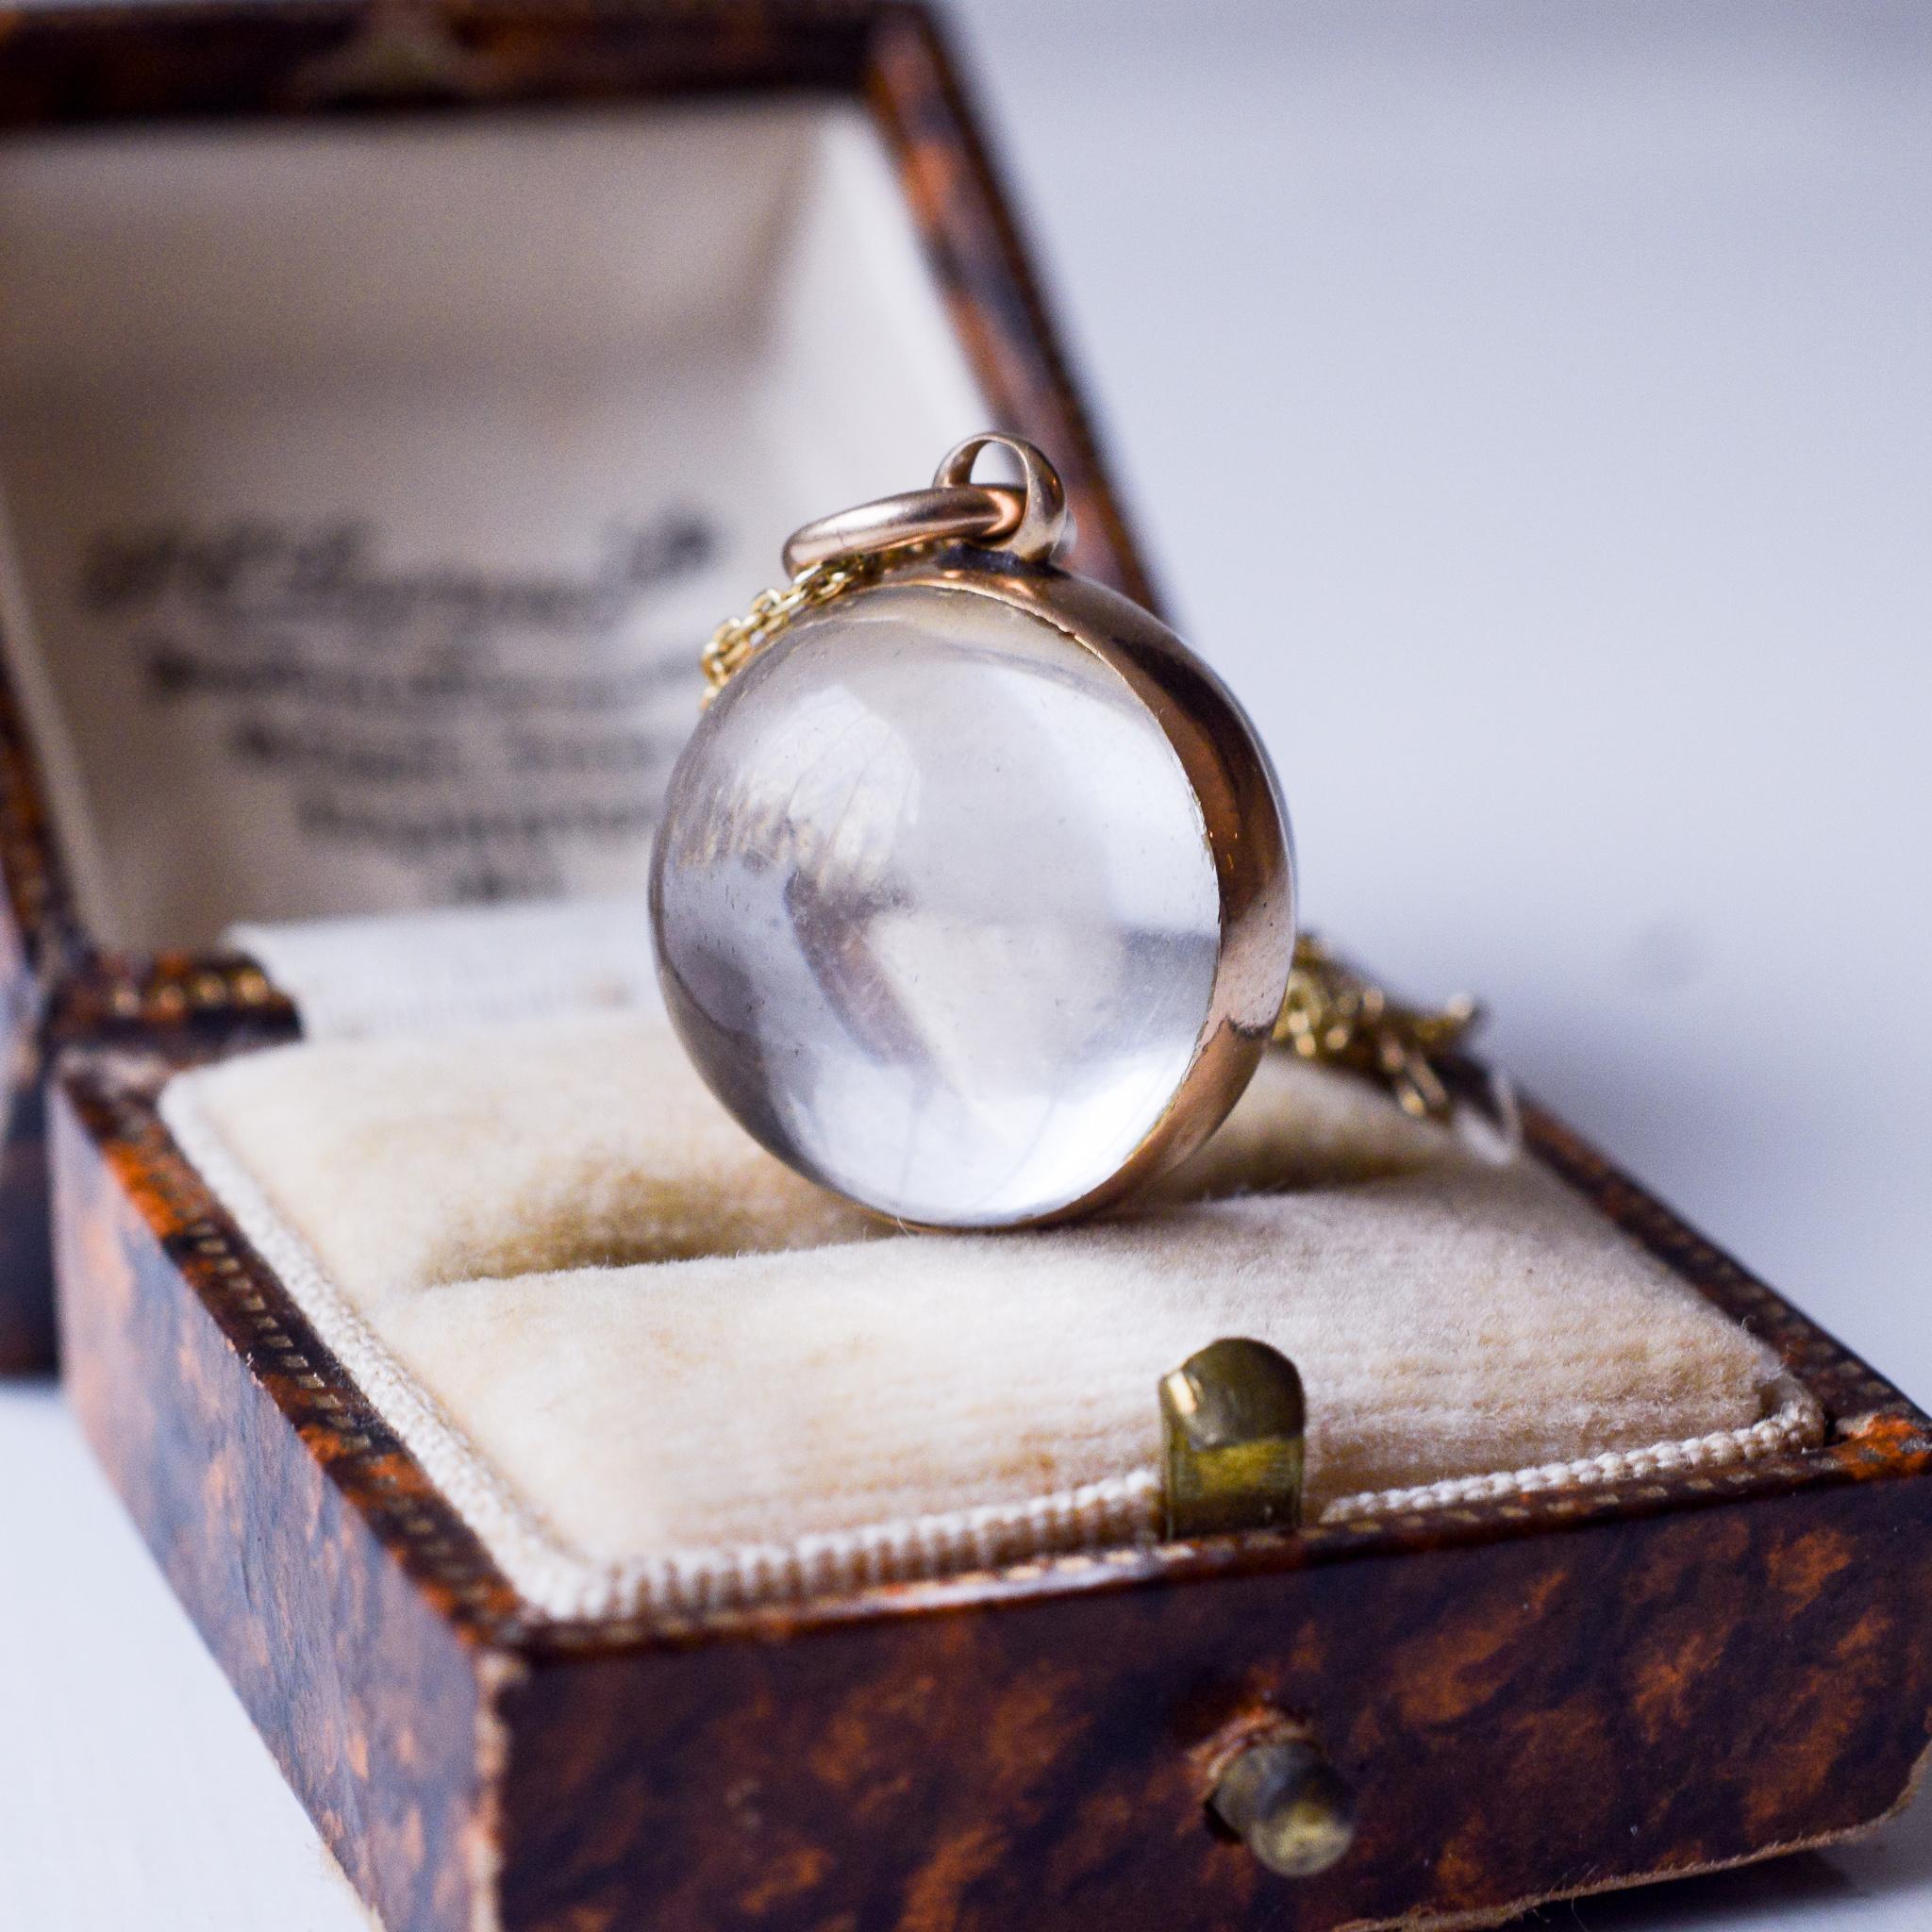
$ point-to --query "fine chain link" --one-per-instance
(738, 640)
(1331, 1014)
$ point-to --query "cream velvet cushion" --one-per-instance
(655, 1370)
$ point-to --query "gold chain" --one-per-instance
(1331, 1014)
(738, 640)
(1334, 1016)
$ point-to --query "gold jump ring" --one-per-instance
(971, 512)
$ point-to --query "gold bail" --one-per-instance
(1028, 522)
(1232, 1421)
(1043, 515)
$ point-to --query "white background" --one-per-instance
(1529, 408)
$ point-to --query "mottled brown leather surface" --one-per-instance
(1531, 1698)
(1518, 1720)
(350, 1671)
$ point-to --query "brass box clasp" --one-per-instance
(1232, 1419)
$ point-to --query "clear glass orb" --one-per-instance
(937, 912)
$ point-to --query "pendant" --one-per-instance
(973, 892)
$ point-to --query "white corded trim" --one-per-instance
(1799, 1423)
(558, 1582)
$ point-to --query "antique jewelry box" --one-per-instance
(604, 1527)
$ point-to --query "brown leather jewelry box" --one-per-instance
(602, 1527)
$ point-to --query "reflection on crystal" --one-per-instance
(939, 918)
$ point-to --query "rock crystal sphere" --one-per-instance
(936, 909)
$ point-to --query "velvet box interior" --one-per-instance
(602, 1524)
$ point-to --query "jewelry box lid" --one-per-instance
(424, 352)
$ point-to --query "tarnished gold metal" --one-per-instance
(1242, 822)
(956, 513)
(1043, 499)
(1335, 1016)
(1232, 1419)
(835, 554)
(1330, 1013)
(1287, 1803)
(1240, 817)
